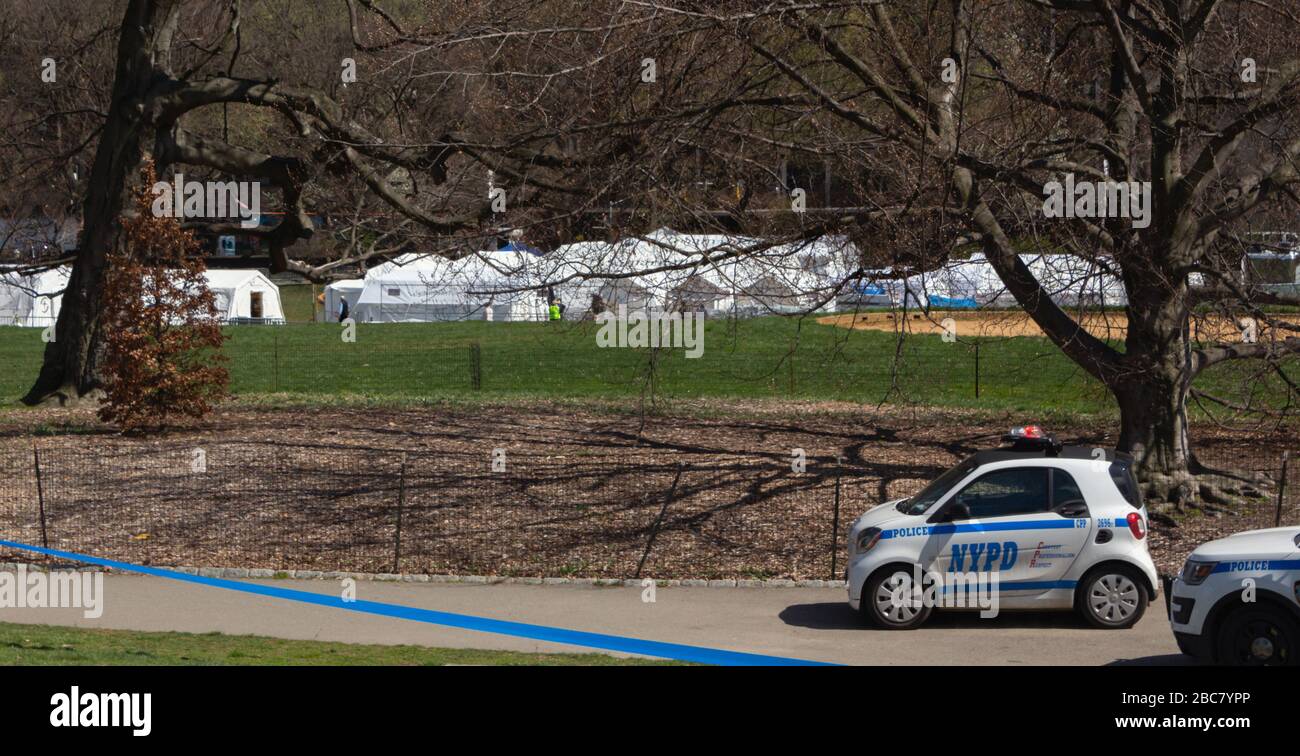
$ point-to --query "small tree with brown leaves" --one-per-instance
(162, 335)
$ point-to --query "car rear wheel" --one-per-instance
(890, 603)
(1111, 597)
(1258, 636)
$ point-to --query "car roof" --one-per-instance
(1087, 453)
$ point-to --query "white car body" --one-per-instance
(1040, 557)
(1259, 568)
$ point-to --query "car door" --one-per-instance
(1049, 553)
(1002, 521)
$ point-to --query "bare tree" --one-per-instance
(949, 124)
(960, 120)
(411, 119)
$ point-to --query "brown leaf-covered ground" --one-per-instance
(699, 490)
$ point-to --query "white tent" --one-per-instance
(717, 274)
(32, 300)
(497, 285)
(348, 290)
(245, 294)
(1069, 280)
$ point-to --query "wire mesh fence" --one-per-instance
(431, 360)
(623, 513)
(315, 507)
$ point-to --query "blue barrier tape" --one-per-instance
(677, 651)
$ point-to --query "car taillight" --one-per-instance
(1136, 526)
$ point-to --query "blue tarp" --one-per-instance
(520, 247)
(953, 303)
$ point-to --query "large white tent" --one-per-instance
(496, 285)
(664, 270)
(32, 300)
(245, 295)
(717, 274)
(336, 293)
(1069, 280)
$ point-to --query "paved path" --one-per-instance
(806, 623)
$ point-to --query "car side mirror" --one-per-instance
(1072, 508)
(956, 510)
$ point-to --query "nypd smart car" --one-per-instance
(1037, 526)
(1237, 599)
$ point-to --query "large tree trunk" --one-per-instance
(1151, 390)
(70, 368)
(1153, 428)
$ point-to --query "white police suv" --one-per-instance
(1237, 600)
(1038, 525)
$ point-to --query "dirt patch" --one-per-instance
(967, 323)
(707, 493)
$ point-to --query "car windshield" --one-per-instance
(935, 491)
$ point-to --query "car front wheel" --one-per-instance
(1258, 637)
(890, 603)
(1111, 598)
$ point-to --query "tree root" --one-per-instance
(1210, 491)
(66, 395)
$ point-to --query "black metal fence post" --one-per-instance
(40, 496)
(275, 360)
(654, 528)
(401, 501)
(1281, 490)
(476, 366)
(835, 519)
(977, 370)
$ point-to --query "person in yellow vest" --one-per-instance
(554, 310)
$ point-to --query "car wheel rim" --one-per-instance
(894, 601)
(1113, 598)
(1260, 642)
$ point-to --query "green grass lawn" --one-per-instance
(768, 357)
(50, 645)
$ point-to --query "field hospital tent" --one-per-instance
(348, 290)
(245, 295)
(717, 274)
(964, 284)
(495, 285)
(32, 300)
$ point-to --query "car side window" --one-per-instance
(1004, 493)
(1064, 488)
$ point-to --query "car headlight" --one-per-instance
(1195, 573)
(866, 540)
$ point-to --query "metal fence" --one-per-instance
(629, 512)
(394, 361)
(280, 506)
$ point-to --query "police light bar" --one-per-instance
(1026, 431)
(1031, 438)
